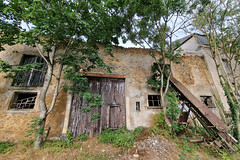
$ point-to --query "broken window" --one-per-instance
(207, 100)
(33, 78)
(226, 66)
(23, 101)
(154, 100)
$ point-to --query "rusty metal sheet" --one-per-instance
(200, 107)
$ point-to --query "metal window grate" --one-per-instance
(154, 100)
(34, 77)
(23, 101)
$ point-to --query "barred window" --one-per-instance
(23, 101)
(33, 78)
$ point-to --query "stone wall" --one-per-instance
(15, 122)
(131, 63)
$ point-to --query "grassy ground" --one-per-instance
(122, 144)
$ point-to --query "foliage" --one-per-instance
(188, 149)
(82, 137)
(65, 33)
(224, 155)
(69, 139)
(234, 108)
(173, 112)
(6, 147)
(56, 146)
(74, 74)
(12, 70)
(120, 137)
(159, 119)
(10, 27)
(153, 25)
(34, 128)
(219, 21)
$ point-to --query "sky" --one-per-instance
(129, 44)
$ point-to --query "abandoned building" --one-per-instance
(127, 99)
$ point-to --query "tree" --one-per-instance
(9, 27)
(65, 33)
(153, 24)
(219, 21)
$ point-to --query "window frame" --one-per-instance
(15, 97)
(211, 101)
(154, 106)
(28, 78)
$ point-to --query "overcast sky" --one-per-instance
(129, 44)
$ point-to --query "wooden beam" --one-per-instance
(103, 75)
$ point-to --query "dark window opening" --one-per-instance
(23, 101)
(154, 100)
(34, 77)
(207, 100)
(137, 106)
(226, 66)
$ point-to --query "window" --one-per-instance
(226, 66)
(33, 78)
(154, 100)
(23, 101)
(207, 100)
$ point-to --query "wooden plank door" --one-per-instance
(113, 111)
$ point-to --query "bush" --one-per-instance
(120, 138)
(159, 119)
(5, 147)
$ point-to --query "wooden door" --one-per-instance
(113, 112)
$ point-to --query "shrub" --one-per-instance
(119, 138)
(159, 119)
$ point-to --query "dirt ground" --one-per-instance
(154, 147)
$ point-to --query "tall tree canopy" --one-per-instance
(219, 21)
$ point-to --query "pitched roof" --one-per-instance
(202, 39)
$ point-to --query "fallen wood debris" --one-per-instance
(217, 129)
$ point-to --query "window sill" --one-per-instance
(154, 107)
(10, 111)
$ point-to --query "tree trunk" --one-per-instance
(168, 123)
(39, 136)
(42, 106)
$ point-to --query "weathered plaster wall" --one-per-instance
(135, 65)
(193, 47)
(193, 73)
(132, 63)
(15, 123)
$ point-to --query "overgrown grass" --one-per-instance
(121, 137)
(6, 147)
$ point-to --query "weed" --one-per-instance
(55, 146)
(6, 147)
(69, 140)
(82, 137)
(34, 128)
(119, 138)
(159, 119)
(26, 145)
(188, 150)
(154, 129)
